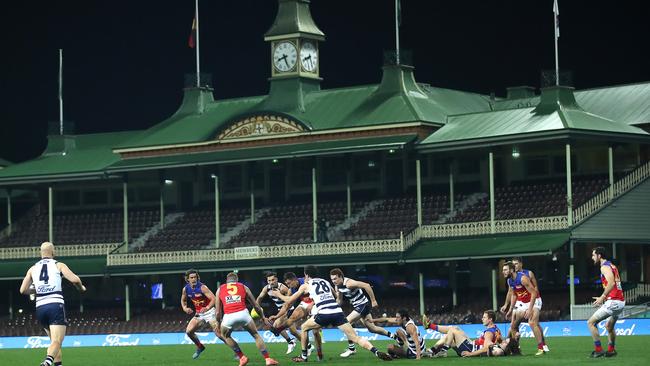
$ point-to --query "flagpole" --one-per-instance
(60, 91)
(198, 65)
(556, 27)
(397, 31)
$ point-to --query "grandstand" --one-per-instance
(423, 189)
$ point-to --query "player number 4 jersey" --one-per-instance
(47, 282)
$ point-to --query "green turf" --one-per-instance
(565, 351)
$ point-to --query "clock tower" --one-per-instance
(294, 40)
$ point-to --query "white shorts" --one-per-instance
(612, 308)
(207, 316)
(521, 306)
(238, 319)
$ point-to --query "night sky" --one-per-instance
(125, 60)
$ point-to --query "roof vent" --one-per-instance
(520, 92)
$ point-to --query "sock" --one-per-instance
(374, 350)
(320, 354)
(351, 346)
(611, 347)
(198, 343)
(265, 353)
(391, 335)
(48, 360)
(540, 345)
(433, 326)
(598, 347)
(400, 342)
(304, 354)
(58, 363)
(291, 340)
(444, 347)
(238, 352)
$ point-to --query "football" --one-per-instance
(254, 314)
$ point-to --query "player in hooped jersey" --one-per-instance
(353, 291)
(507, 310)
(328, 312)
(611, 303)
(46, 276)
(272, 283)
(525, 301)
(231, 302)
(408, 335)
(203, 300)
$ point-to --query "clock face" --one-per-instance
(285, 56)
(308, 56)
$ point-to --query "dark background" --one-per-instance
(125, 60)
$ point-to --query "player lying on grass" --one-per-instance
(490, 343)
(410, 343)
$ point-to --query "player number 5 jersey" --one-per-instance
(47, 281)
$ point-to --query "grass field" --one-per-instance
(565, 351)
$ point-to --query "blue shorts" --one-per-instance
(336, 319)
(363, 309)
(467, 345)
(51, 314)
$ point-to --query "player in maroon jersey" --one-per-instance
(611, 303)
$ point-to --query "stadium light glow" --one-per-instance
(391, 151)
(213, 176)
(515, 152)
(168, 181)
(275, 161)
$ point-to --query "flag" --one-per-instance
(556, 11)
(192, 41)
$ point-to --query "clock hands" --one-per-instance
(308, 58)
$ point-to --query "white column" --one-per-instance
(421, 285)
(418, 183)
(9, 211)
(572, 286)
(491, 168)
(127, 303)
(162, 206)
(614, 254)
(314, 204)
(11, 305)
(451, 188)
(569, 190)
(494, 289)
(125, 215)
(349, 192)
(217, 229)
(252, 185)
(50, 214)
(642, 279)
(611, 172)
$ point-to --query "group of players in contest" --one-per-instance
(316, 303)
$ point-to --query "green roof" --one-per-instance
(69, 156)
(397, 99)
(486, 247)
(265, 153)
(293, 17)
(558, 112)
(627, 104)
(4, 163)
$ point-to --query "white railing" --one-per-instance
(620, 187)
(640, 290)
(549, 223)
(275, 251)
(78, 250)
